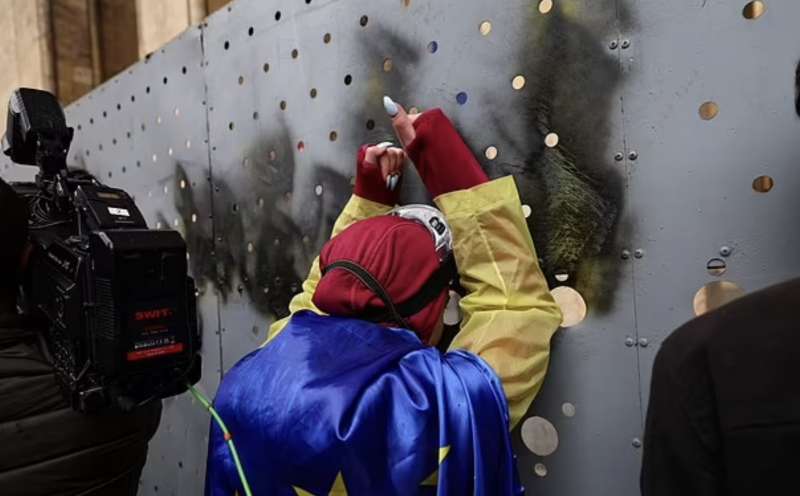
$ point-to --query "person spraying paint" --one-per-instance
(348, 395)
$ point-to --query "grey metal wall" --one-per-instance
(241, 134)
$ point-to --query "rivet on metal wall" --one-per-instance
(545, 6)
(629, 342)
(490, 152)
(518, 82)
(625, 44)
(633, 155)
(637, 443)
(639, 253)
(526, 211)
(568, 409)
(625, 255)
(643, 342)
(540, 469)
(619, 156)
(726, 251)
(485, 28)
(551, 140)
(613, 44)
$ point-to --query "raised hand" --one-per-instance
(443, 160)
(389, 160)
(379, 170)
(402, 122)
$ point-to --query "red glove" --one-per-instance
(443, 160)
(378, 173)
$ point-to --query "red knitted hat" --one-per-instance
(398, 253)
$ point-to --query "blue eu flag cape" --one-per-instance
(343, 406)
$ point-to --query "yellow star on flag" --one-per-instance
(338, 489)
(433, 479)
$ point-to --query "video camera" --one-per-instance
(120, 308)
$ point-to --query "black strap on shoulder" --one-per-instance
(432, 288)
(399, 312)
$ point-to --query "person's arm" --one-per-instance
(683, 448)
(371, 197)
(509, 314)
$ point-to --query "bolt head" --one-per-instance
(629, 342)
(633, 155)
(643, 342)
(613, 44)
(725, 251)
(619, 156)
(626, 43)
(638, 253)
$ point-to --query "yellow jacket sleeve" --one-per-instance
(509, 315)
(357, 208)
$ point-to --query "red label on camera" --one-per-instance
(156, 313)
(172, 349)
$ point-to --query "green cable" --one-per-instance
(228, 437)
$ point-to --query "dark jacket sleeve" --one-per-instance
(49, 449)
(682, 441)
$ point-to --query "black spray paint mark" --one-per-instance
(574, 190)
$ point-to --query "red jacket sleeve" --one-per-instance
(443, 160)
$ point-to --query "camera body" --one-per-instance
(119, 306)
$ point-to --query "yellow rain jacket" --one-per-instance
(509, 315)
